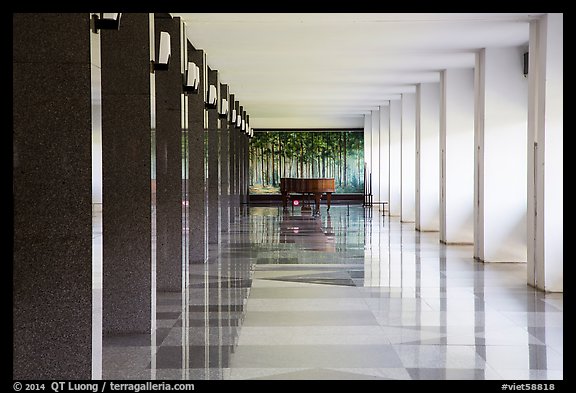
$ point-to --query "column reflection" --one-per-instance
(368, 250)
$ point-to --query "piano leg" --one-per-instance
(317, 197)
(328, 199)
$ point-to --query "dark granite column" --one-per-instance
(196, 164)
(241, 137)
(247, 161)
(232, 159)
(234, 171)
(243, 161)
(246, 167)
(213, 266)
(224, 164)
(126, 172)
(169, 161)
(238, 132)
(213, 166)
(52, 196)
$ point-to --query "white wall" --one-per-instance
(375, 166)
(408, 159)
(427, 192)
(457, 156)
(96, 149)
(384, 154)
(501, 135)
(545, 176)
(395, 153)
(96, 111)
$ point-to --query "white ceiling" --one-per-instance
(324, 70)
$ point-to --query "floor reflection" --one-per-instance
(308, 232)
(344, 295)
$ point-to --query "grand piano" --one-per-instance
(307, 186)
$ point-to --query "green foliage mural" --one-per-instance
(276, 154)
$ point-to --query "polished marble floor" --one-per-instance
(347, 295)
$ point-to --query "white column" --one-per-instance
(367, 144)
(427, 212)
(408, 158)
(500, 159)
(384, 154)
(395, 154)
(375, 155)
(457, 156)
(545, 154)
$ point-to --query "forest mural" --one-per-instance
(276, 154)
